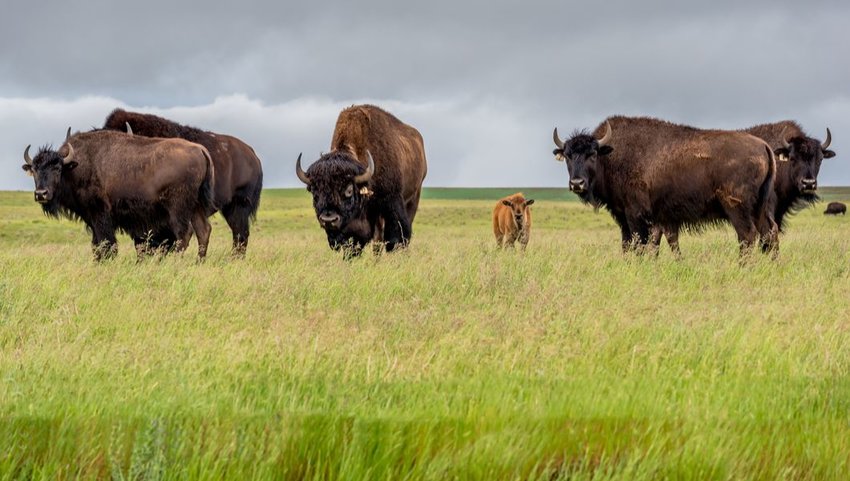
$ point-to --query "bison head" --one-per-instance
(804, 156)
(581, 153)
(340, 188)
(47, 169)
(519, 209)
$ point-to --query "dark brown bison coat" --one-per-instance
(355, 205)
(238, 171)
(835, 208)
(512, 220)
(798, 163)
(650, 172)
(113, 181)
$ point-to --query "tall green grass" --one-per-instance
(451, 360)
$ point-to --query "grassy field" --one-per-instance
(451, 360)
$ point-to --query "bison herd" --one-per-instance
(159, 181)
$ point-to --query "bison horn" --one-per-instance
(68, 134)
(370, 169)
(784, 139)
(67, 158)
(27, 157)
(129, 129)
(828, 140)
(557, 139)
(300, 172)
(607, 137)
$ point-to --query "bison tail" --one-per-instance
(765, 200)
(206, 194)
(254, 195)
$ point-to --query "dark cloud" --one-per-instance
(529, 65)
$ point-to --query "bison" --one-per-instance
(647, 172)
(138, 185)
(835, 208)
(238, 171)
(799, 159)
(512, 220)
(368, 186)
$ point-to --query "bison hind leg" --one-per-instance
(201, 226)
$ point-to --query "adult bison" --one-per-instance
(368, 186)
(835, 208)
(112, 181)
(647, 171)
(238, 171)
(798, 163)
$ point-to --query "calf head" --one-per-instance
(581, 153)
(340, 188)
(804, 156)
(47, 170)
(519, 209)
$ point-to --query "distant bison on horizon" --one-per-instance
(835, 208)
(512, 220)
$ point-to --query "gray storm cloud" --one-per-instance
(484, 82)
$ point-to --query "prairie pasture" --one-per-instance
(450, 360)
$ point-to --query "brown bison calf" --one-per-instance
(512, 220)
(835, 208)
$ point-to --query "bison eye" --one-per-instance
(349, 191)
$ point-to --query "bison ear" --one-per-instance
(604, 150)
(28, 169)
(69, 166)
(828, 154)
(782, 154)
(529, 202)
(506, 202)
(559, 155)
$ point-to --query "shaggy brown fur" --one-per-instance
(112, 181)
(800, 160)
(239, 173)
(512, 220)
(382, 209)
(655, 172)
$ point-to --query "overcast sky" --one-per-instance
(483, 81)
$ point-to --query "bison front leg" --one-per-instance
(397, 229)
(103, 238)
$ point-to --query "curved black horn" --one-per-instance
(557, 139)
(825, 144)
(27, 157)
(129, 129)
(302, 176)
(607, 137)
(68, 134)
(370, 169)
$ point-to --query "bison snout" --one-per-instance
(577, 185)
(330, 220)
(809, 185)
(41, 196)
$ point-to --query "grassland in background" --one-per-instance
(451, 360)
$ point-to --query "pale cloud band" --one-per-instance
(469, 143)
